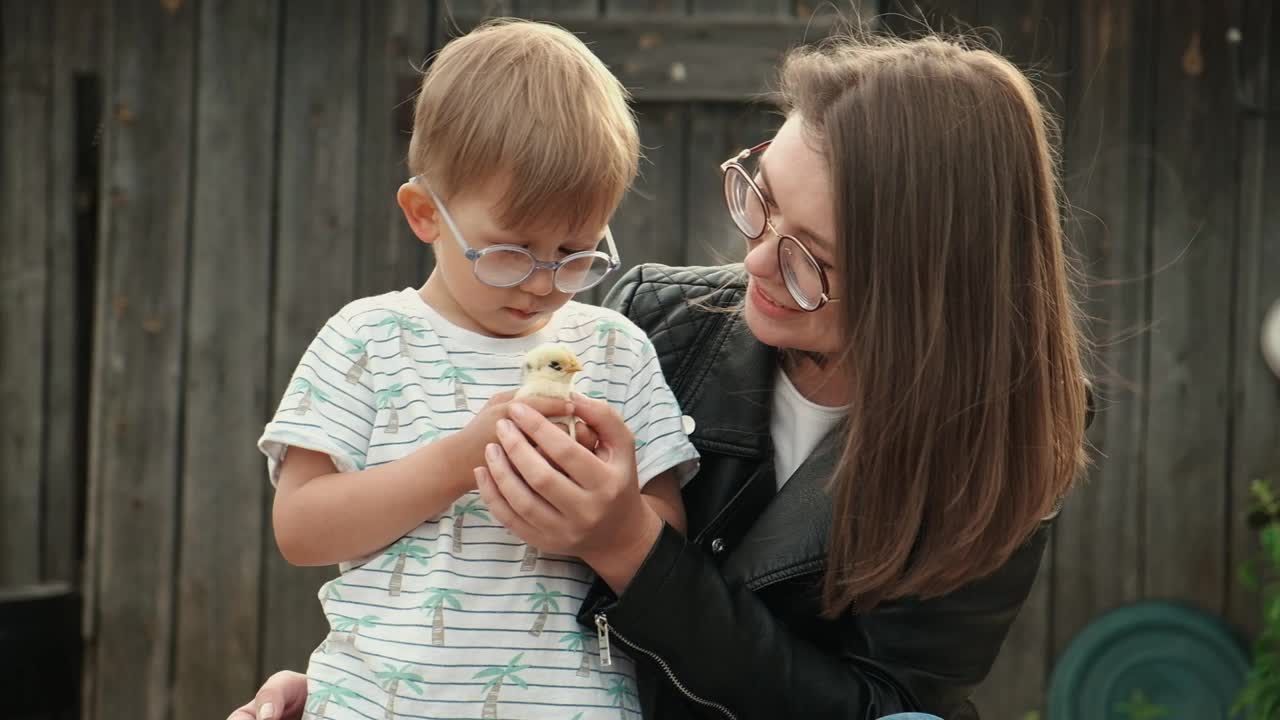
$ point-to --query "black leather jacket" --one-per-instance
(725, 623)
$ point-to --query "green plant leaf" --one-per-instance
(1270, 538)
(1248, 574)
(1273, 611)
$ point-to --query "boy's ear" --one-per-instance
(419, 211)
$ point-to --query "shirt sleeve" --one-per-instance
(328, 405)
(652, 413)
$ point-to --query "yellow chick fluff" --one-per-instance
(548, 372)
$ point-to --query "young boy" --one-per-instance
(522, 148)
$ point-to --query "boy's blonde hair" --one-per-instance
(526, 104)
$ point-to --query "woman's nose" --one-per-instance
(762, 256)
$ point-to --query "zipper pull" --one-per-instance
(602, 635)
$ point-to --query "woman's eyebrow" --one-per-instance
(821, 241)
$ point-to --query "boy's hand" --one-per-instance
(482, 430)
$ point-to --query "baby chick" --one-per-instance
(548, 372)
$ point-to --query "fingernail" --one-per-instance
(505, 426)
(491, 451)
(479, 474)
(267, 711)
(521, 410)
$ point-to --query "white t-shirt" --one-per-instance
(460, 615)
(797, 425)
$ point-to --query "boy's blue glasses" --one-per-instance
(505, 266)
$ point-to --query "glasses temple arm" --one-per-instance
(444, 213)
(613, 249)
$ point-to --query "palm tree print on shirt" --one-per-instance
(331, 590)
(358, 349)
(621, 692)
(400, 553)
(385, 400)
(576, 640)
(351, 626)
(318, 701)
(429, 435)
(498, 675)
(391, 678)
(543, 601)
(460, 512)
(309, 393)
(530, 558)
(435, 602)
(609, 330)
(457, 376)
(405, 326)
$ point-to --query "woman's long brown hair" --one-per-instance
(967, 424)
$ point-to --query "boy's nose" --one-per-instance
(541, 282)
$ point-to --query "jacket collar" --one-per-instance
(729, 390)
(791, 536)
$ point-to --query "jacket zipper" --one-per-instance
(606, 659)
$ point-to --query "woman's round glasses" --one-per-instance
(505, 266)
(801, 272)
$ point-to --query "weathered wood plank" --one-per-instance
(683, 59)
(913, 17)
(716, 132)
(77, 110)
(649, 225)
(138, 371)
(1016, 685)
(660, 184)
(558, 9)
(1099, 545)
(1193, 243)
(645, 7)
(1255, 418)
(455, 13)
(226, 389)
(742, 7)
(865, 12)
(388, 256)
(26, 61)
(315, 245)
(1034, 35)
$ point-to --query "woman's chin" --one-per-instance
(794, 335)
(767, 330)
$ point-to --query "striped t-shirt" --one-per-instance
(460, 619)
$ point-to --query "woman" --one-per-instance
(888, 397)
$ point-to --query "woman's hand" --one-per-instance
(562, 498)
(281, 697)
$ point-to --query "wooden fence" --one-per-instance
(188, 188)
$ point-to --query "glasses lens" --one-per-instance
(745, 206)
(581, 272)
(801, 273)
(503, 267)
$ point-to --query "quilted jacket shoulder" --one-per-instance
(679, 308)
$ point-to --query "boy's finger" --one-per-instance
(611, 430)
(502, 397)
(585, 435)
(549, 407)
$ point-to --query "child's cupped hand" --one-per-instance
(482, 430)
